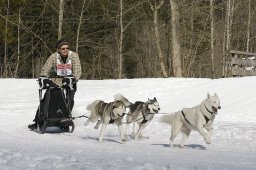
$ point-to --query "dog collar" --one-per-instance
(208, 110)
(205, 117)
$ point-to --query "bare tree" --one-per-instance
(122, 31)
(5, 74)
(120, 70)
(176, 58)
(155, 8)
(61, 10)
(248, 26)
(18, 55)
(227, 33)
(212, 38)
(190, 37)
(198, 43)
(79, 25)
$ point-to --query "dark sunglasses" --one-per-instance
(65, 48)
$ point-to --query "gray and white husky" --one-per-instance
(141, 113)
(199, 118)
(108, 113)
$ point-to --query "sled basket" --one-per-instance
(54, 110)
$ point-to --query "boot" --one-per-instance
(32, 126)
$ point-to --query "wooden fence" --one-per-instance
(242, 64)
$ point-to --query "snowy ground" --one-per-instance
(233, 142)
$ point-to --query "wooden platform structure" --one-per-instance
(242, 63)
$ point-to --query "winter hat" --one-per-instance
(61, 42)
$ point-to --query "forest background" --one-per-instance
(127, 38)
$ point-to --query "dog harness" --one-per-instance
(144, 118)
(185, 117)
(144, 115)
(111, 119)
(206, 118)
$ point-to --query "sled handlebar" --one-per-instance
(44, 82)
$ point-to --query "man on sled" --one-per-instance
(59, 76)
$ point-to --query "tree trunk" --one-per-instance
(248, 27)
(5, 74)
(212, 39)
(197, 47)
(5, 51)
(155, 9)
(176, 58)
(79, 26)
(228, 25)
(18, 55)
(33, 60)
(61, 10)
(121, 41)
(224, 67)
(189, 54)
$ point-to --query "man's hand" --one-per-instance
(67, 82)
(44, 82)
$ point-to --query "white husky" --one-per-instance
(199, 118)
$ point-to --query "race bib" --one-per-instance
(64, 69)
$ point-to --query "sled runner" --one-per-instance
(56, 105)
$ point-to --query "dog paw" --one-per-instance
(123, 141)
(207, 140)
(182, 146)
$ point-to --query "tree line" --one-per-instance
(126, 38)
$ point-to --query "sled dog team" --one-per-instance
(199, 118)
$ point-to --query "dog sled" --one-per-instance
(55, 107)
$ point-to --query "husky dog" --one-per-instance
(108, 113)
(142, 113)
(199, 118)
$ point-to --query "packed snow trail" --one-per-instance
(233, 142)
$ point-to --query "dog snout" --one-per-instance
(219, 107)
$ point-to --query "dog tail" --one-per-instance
(120, 97)
(168, 119)
(91, 106)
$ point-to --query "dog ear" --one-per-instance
(208, 95)
(215, 95)
(155, 98)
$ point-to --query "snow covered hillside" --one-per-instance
(233, 141)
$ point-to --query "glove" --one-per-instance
(67, 82)
(44, 82)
